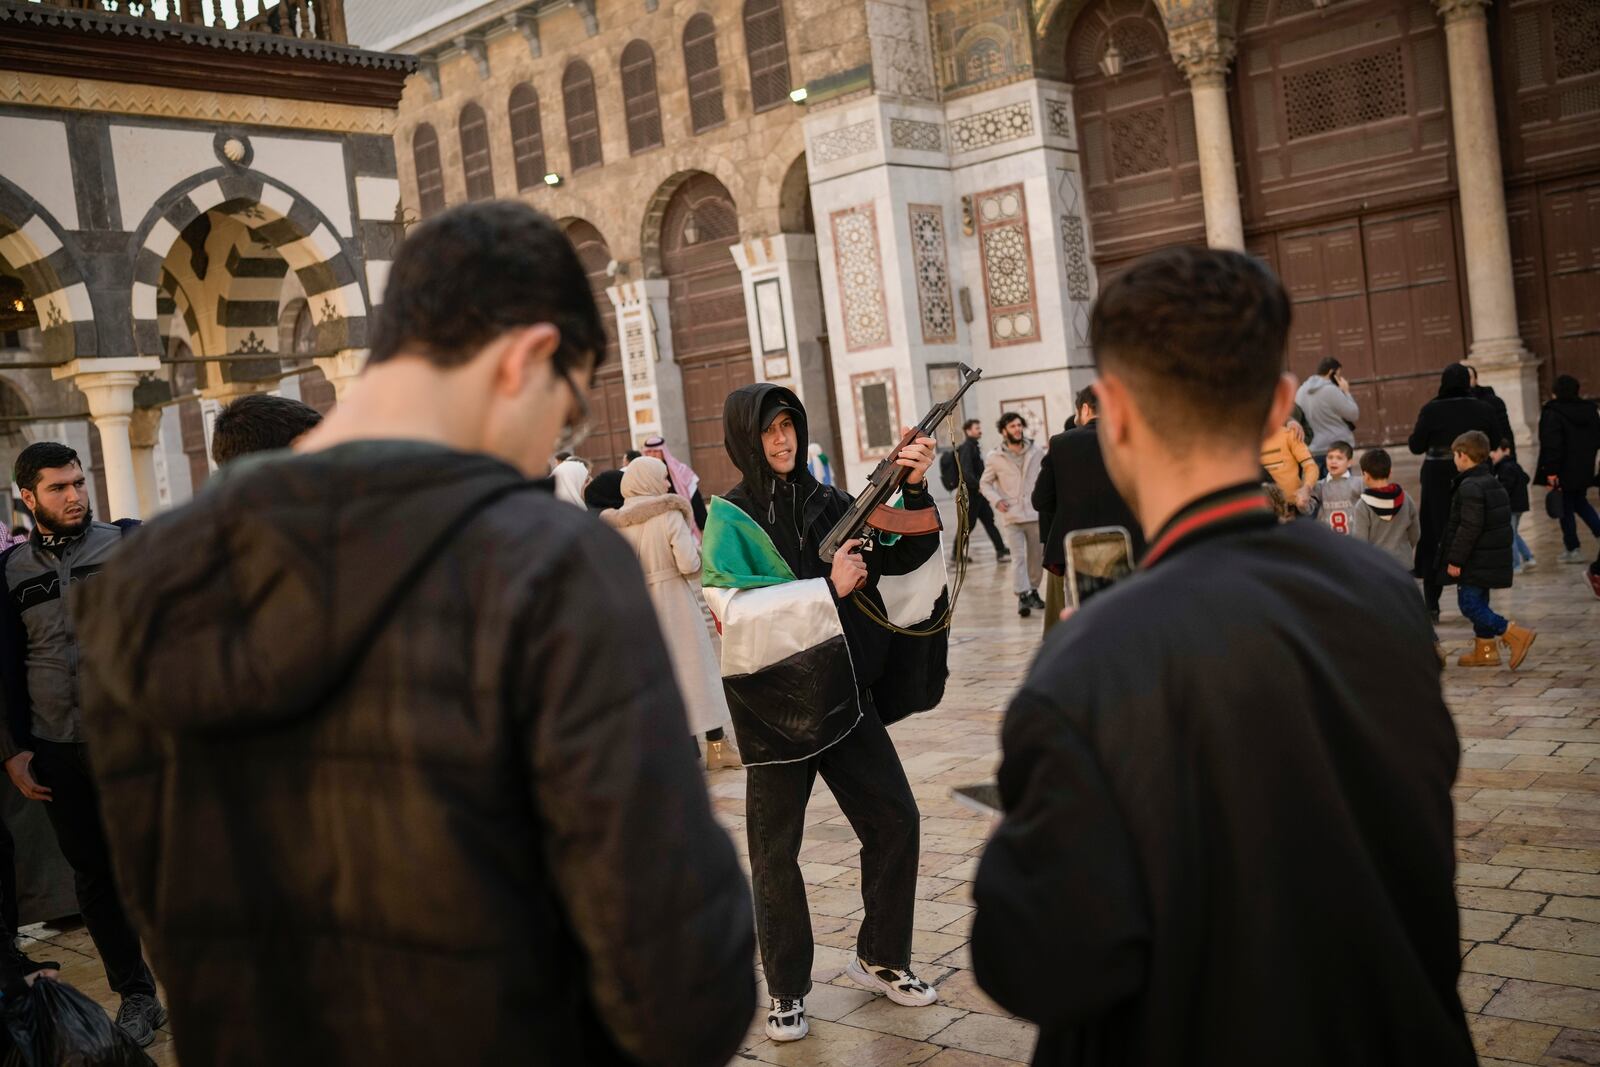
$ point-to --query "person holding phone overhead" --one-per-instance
(1152, 894)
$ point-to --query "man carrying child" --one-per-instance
(1475, 553)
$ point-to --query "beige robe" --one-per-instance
(658, 528)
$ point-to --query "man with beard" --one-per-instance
(1009, 475)
(43, 745)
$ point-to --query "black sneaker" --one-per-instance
(28, 965)
(1033, 598)
(1001, 555)
(139, 1016)
(1024, 605)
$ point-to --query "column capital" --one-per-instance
(1461, 10)
(1203, 51)
(145, 429)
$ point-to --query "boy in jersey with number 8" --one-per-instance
(1334, 499)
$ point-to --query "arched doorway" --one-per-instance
(610, 436)
(710, 336)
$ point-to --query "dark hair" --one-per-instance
(1007, 418)
(1088, 398)
(1474, 444)
(562, 456)
(970, 423)
(1455, 380)
(1328, 366)
(1505, 445)
(464, 277)
(630, 455)
(1346, 447)
(1200, 335)
(259, 422)
(1376, 462)
(34, 459)
(1567, 387)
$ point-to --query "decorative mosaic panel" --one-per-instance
(991, 127)
(877, 413)
(1058, 118)
(979, 44)
(1340, 95)
(859, 268)
(844, 142)
(932, 264)
(1007, 257)
(1077, 257)
(922, 136)
(637, 360)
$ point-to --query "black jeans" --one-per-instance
(865, 775)
(979, 510)
(74, 810)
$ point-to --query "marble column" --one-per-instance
(144, 435)
(107, 385)
(1497, 350)
(1204, 51)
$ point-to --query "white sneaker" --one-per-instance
(786, 1021)
(902, 987)
(1574, 555)
(1529, 564)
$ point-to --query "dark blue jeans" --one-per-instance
(1474, 603)
(1575, 505)
(866, 778)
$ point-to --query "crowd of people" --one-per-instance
(379, 745)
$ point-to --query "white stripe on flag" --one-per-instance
(761, 627)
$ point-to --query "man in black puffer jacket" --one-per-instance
(1569, 438)
(390, 752)
(1475, 553)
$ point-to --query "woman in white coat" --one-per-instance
(656, 522)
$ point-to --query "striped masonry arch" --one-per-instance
(33, 244)
(278, 217)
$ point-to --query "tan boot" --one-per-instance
(722, 754)
(1518, 640)
(1484, 654)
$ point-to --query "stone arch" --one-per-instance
(794, 199)
(292, 224)
(42, 254)
(656, 209)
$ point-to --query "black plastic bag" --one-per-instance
(54, 1025)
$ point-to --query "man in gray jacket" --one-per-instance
(43, 744)
(1331, 412)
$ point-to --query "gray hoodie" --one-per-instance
(1329, 410)
(1397, 534)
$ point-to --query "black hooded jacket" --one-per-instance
(1452, 413)
(905, 674)
(393, 771)
(1477, 535)
(1569, 437)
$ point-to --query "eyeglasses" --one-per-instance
(576, 429)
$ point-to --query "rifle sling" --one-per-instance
(905, 522)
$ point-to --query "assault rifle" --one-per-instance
(871, 513)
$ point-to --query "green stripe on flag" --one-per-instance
(736, 552)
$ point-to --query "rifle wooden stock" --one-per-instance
(905, 522)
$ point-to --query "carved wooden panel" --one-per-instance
(583, 116)
(475, 159)
(527, 137)
(698, 230)
(1550, 80)
(430, 174)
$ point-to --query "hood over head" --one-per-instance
(251, 605)
(645, 476)
(1455, 380)
(745, 414)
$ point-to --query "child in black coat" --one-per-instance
(1515, 480)
(1476, 553)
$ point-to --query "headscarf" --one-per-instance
(604, 491)
(645, 476)
(684, 480)
(570, 474)
(1455, 380)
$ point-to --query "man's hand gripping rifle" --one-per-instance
(871, 513)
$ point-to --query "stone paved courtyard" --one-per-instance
(1528, 826)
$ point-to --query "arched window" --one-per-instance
(639, 97)
(767, 52)
(475, 153)
(430, 175)
(583, 116)
(705, 77)
(527, 138)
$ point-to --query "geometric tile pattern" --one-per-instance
(859, 268)
(1007, 257)
(1058, 117)
(931, 262)
(1077, 257)
(921, 136)
(844, 142)
(991, 127)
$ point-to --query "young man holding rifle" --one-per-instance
(813, 676)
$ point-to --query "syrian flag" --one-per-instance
(786, 668)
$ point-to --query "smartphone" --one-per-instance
(1096, 559)
(983, 798)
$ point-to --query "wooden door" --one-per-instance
(1570, 217)
(610, 435)
(706, 385)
